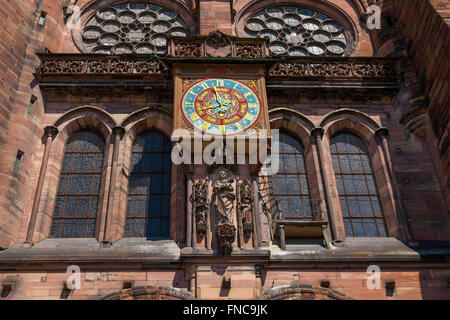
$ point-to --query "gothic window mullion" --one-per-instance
(360, 216)
(148, 178)
(82, 186)
(293, 196)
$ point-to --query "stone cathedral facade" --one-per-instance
(92, 92)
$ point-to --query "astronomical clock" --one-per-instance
(221, 106)
(216, 104)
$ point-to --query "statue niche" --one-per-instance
(223, 197)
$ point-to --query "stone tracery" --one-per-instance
(298, 31)
(131, 27)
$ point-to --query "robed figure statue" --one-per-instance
(224, 197)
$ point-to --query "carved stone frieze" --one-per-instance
(248, 50)
(296, 68)
(217, 45)
(187, 48)
(85, 64)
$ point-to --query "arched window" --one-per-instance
(290, 185)
(360, 203)
(76, 206)
(148, 213)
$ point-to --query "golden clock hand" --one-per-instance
(224, 106)
(211, 107)
(218, 96)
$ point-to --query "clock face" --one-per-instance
(221, 106)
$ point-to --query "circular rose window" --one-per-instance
(131, 27)
(298, 31)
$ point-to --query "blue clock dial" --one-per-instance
(221, 106)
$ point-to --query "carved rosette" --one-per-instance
(226, 233)
(246, 206)
(200, 205)
(218, 45)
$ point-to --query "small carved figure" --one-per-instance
(246, 206)
(199, 199)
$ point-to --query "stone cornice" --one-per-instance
(149, 67)
(360, 69)
(94, 66)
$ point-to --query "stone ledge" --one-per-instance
(361, 250)
(61, 251)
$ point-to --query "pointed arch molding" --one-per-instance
(291, 115)
(153, 117)
(151, 293)
(302, 292)
(350, 114)
(86, 112)
(294, 122)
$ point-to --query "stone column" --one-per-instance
(258, 227)
(117, 135)
(50, 134)
(282, 236)
(335, 215)
(382, 134)
(189, 212)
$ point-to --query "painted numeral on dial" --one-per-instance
(249, 117)
(194, 116)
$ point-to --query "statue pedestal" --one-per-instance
(226, 233)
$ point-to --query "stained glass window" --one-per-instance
(148, 213)
(132, 27)
(298, 31)
(360, 203)
(76, 207)
(290, 186)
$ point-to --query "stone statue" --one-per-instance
(224, 197)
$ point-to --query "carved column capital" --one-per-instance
(51, 131)
(317, 133)
(382, 133)
(118, 131)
